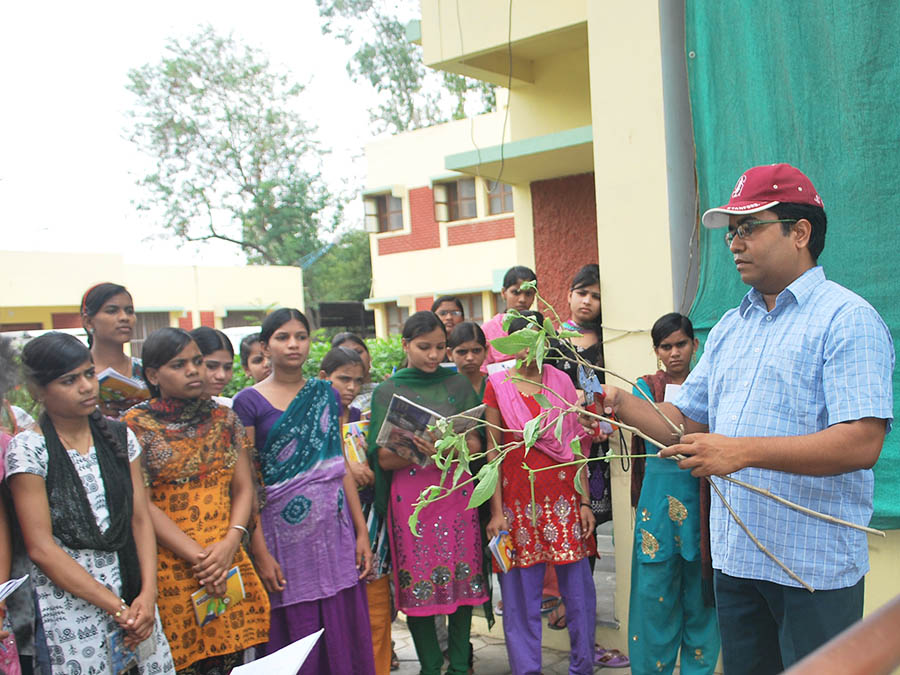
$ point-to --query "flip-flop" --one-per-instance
(559, 623)
(610, 658)
(549, 603)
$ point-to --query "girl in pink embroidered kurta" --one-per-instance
(440, 571)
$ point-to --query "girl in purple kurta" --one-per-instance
(440, 570)
(311, 547)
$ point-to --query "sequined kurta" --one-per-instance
(555, 534)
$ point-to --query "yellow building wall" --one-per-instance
(485, 25)
(27, 296)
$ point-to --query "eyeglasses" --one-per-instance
(449, 312)
(748, 227)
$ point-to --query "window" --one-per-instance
(241, 317)
(396, 317)
(390, 213)
(146, 323)
(455, 200)
(472, 307)
(500, 198)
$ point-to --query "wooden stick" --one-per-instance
(756, 541)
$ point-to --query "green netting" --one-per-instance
(815, 85)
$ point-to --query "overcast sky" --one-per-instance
(67, 174)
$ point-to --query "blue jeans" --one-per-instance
(767, 627)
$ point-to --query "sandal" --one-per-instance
(610, 658)
(559, 621)
(549, 603)
(395, 662)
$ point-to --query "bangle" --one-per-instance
(588, 504)
(123, 607)
(241, 528)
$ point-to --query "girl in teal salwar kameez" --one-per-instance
(669, 610)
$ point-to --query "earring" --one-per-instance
(659, 363)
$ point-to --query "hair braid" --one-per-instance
(100, 420)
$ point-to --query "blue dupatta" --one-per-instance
(307, 433)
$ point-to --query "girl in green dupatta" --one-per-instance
(439, 571)
(312, 546)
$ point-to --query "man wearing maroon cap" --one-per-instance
(793, 394)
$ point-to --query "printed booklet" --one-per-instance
(118, 388)
(405, 419)
(206, 607)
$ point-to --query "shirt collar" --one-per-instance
(800, 289)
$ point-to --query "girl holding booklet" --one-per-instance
(311, 545)
(344, 368)
(439, 571)
(79, 495)
(561, 532)
(197, 465)
(107, 314)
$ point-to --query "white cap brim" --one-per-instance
(718, 217)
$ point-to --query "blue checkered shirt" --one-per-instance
(822, 356)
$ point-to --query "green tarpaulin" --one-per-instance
(817, 85)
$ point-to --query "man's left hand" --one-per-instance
(707, 454)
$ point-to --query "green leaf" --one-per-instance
(543, 401)
(528, 285)
(575, 444)
(508, 318)
(549, 328)
(564, 333)
(541, 351)
(513, 344)
(532, 429)
(487, 482)
(579, 488)
(558, 429)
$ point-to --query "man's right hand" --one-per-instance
(613, 396)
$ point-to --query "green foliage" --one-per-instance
(412, 96)
(386, 354)
(234, 161)
(343, 273)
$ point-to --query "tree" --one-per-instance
(234, 160)
(344, 272)
(413, 95)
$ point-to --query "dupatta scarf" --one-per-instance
(444, 391)
(306, 520)
(560, 391)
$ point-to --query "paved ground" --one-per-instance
(490, 649)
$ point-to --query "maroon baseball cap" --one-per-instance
(761, 188)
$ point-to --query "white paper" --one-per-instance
(671, 392)
(500, 366)
(286, 661)
(7, 588)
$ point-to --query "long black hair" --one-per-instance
(277, 319)
(338, 357)
(522, 321)
(210, 340)
(52, 355)
(95, 297)
(518, 273)
(667, 324)
(589, 275)
(467, 331)
(421, 323)
(447, 298)
(160, 347)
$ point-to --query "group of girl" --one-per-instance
(125, 521)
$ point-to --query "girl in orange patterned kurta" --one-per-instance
(197, 465)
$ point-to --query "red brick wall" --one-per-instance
(565, 234)
(470, 233)
(424, 304)
(208, 319)
(186, 322)
(424, 229)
